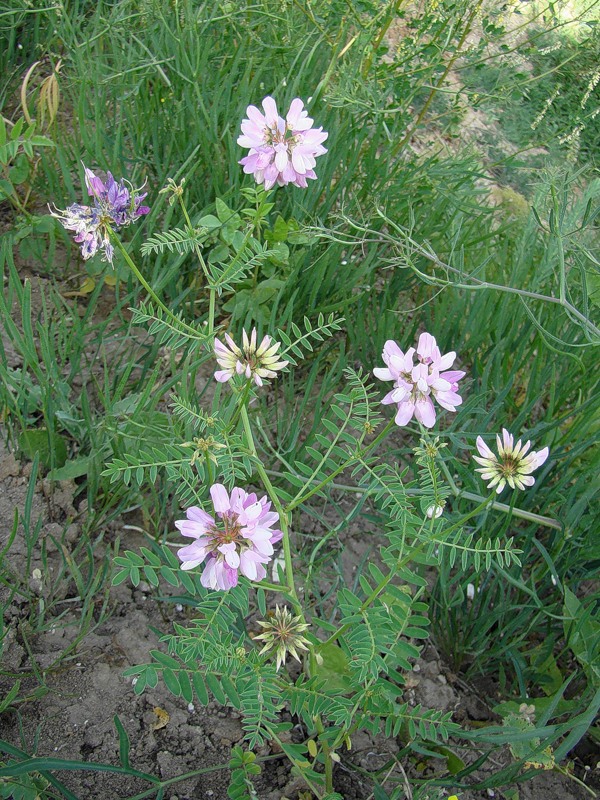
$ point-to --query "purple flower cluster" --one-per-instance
(115, 205)
(282, 151)
(241, 540)
(417, 385)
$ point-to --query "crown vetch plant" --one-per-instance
(241, 541)
(282, 151)
(416, 385)
(353, 658)
(251, 361)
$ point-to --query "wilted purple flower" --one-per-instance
(512, 465)
(415, 385)
(115, 205)
(282, 151)
(249, 360)
(241, 540)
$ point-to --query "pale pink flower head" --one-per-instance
(252, 361)
(282, 151)
(239, 540)
(513, 464)
(417, 385)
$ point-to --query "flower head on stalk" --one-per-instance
(513, 464)
(249, 360)
(282, 151)
(416, 385)
(239, 540)
(283, 632)
(116, 204)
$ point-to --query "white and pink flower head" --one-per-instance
(282, 151)
(513, 464)
(254, 361)
(420, 376)
(239, 540)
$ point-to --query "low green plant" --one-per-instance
(357, 653)
(514, 293)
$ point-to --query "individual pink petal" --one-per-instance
(389, 398)
(256, 116)
(405, 413)
(220, 498)
(484, 449)
(198, 515)
(194, 530)
(448, 400)
(231, 555)
(399, 394)
(445, 361)
(383, 373)
(452, 376)
(425, 346)
(271, 115)
(541, 456)
(425, 412)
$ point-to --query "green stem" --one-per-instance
(211, 289)
(209, 471)
(271, 587)
(389, 15)
(283, 516)
(567, 774)
(399, 564)
(148, 288)
(301, 498)
(548, 522)
(328, 761)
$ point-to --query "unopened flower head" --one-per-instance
(239, 540)
(283, 632)
(282, 151)
(249, 360)
(419, 377)
(115, 205)
(433, 512)
(513, 464)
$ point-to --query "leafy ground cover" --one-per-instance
(458, 196)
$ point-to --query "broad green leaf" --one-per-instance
(72, 469)
(209, 221)
(46, 443)
(334, 669)
(582, 633)
(6, 189)
(19, 172)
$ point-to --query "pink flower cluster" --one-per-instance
(416, 385)
(282, 151)
(240, 540)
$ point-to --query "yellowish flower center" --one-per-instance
(230, 532)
